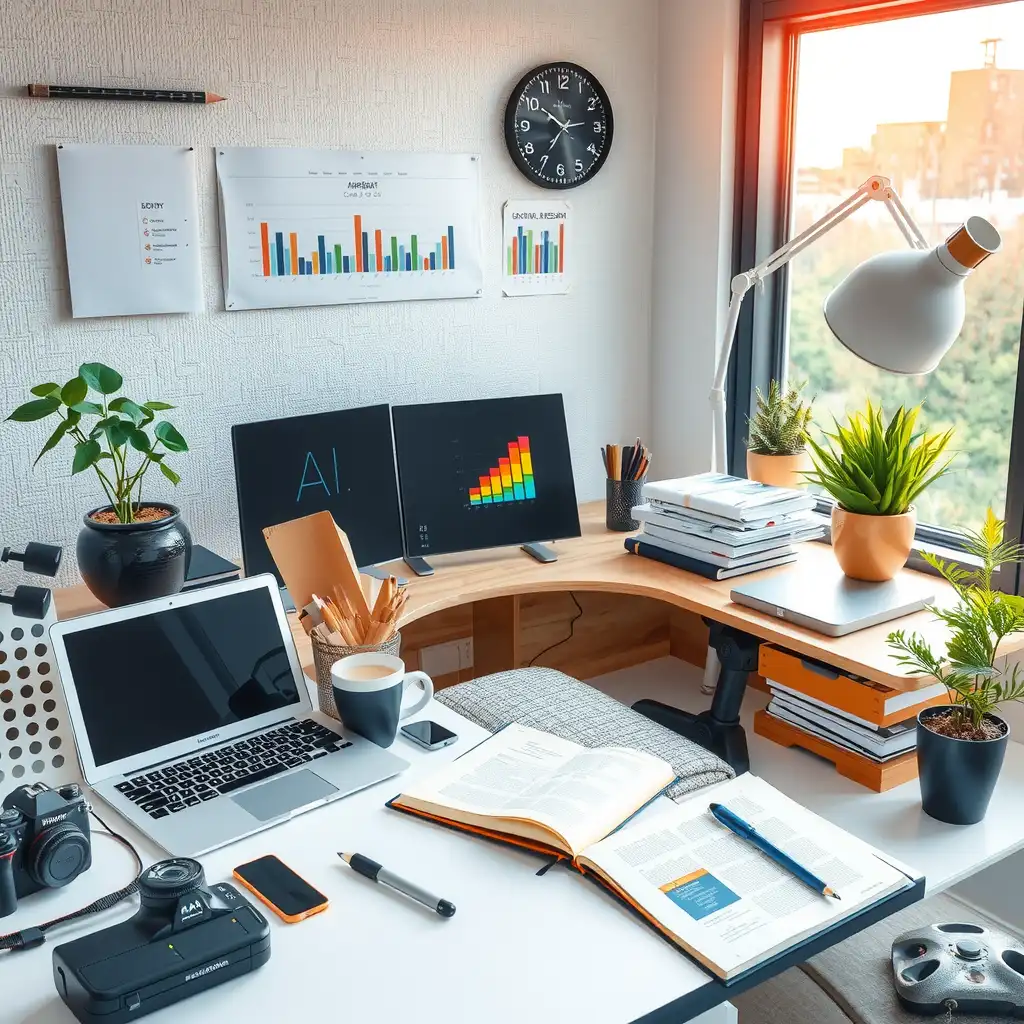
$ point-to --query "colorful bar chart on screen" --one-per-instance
(510, 480)
(364, 251)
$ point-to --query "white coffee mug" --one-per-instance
(369, 691)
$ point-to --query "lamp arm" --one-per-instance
(877, 188)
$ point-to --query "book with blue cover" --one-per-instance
(641, 545)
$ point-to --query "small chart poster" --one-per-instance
(315, 227)
(131, 226)
(537, 244)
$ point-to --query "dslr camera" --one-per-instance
(44, 841)
(186, 937)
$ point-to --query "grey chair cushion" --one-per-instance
(550, 700)
(854, 977)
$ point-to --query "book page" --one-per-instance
(726, 902)
(578, 793)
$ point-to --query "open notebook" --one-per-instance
(714, 895)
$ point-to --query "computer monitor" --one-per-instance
(484, 474)
(342, 462)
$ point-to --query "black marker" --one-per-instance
(377, 873)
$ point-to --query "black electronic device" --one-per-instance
(341, 462)
(186, 937)
(558, 125)
(30, 602)
(44, 841)
(484, 474)
(431, 735)
(959, 968)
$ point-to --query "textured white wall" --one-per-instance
(376, 74)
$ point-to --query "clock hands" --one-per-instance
(561, 127)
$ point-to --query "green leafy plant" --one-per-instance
(876, 468)
(780, 421)
(980, 620)
(118, 446)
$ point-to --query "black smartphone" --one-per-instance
(290, 897)
(429, 734)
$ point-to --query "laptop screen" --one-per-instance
(155, 679)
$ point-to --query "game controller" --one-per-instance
(962, 968)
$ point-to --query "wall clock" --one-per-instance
(558, 125)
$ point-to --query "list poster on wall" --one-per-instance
(131, 227)
(537, 247)
(314, 227)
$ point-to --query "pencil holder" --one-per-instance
(620, 498)
(324, 657)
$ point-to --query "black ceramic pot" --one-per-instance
(122, 563)
(957, 776)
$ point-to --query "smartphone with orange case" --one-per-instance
(288, 895)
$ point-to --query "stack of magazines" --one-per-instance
(841, 728)
(723, 526)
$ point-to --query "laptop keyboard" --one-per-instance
(206, 776)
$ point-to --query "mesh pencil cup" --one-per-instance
(324, 657)
(620, 498)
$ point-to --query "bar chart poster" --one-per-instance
(316, 227)
(537, 247)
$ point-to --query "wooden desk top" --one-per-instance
(597, 561)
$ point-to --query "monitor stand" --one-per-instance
(419, 565)
(718, 729)
(540, 552)
(380, 574)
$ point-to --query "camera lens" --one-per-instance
(167, 881)
(58, 855)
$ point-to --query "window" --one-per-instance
(925, 92)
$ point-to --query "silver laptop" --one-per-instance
(832, 603)
(193, 719)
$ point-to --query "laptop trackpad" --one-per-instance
(273, 799)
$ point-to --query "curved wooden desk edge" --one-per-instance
(597, 561)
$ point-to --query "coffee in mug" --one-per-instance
(368, 692)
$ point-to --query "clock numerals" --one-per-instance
(558, 125)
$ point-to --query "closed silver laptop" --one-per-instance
(193, 719)
(831, 602)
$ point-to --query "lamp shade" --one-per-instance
(902, 310)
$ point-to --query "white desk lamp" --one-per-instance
(900, 311)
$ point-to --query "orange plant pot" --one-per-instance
(872, 548)
(778, 470)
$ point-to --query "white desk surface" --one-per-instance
(519, 947)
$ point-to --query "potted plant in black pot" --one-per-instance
(960, 746)
(128, 550)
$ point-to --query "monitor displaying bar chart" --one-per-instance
(485, 473)
(511, 480)
(317, 227)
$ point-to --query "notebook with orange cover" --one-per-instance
(712, 894)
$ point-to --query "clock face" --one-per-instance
(558, 125)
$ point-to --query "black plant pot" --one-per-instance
(122, 563)
(957, 776)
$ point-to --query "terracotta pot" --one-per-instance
(872, 548)
(778, 470)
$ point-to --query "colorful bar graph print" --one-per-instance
(368, 252)
(510, 480)
(540, 253)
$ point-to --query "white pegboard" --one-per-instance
(36, 744)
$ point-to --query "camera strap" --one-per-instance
(29, 938)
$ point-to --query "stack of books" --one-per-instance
(722, 526)
(869, 731)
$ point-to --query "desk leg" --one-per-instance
(717, 729)
(495, 635)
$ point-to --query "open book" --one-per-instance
(537, 790)
(722, 900)
(713, 894)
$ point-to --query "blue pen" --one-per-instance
(735, 824)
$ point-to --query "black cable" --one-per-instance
(564, 640)
(29, 938)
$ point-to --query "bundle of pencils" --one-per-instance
(626, 462)
(348, 623)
